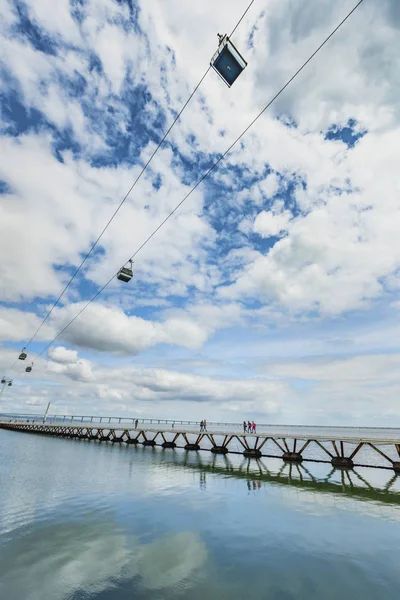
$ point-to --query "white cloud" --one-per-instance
(365, 370)
(268, 224)
(110, 329)
(335, 210)
(7, 14)
(77, 371)
(112, 48)
(356, 389)
(62, 355)
(17, 325)
(75, 210)
(134, 390)
(270, 185)
(58, 22)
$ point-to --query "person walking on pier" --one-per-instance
(201, 426)
(248, 427)
(136, 423)
(253, 427)
(244, 427)
(204, 425)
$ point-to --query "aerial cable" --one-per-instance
(126, 196)
(130, 190)
(11, 368)
(241, 18)
(206, 174)
(117, 209)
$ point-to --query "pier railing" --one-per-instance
(155, 421)
(112, 419)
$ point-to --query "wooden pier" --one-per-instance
(341, 453)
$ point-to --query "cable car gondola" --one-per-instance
(227, 61)
(3, 380)
(125, 273)
(29, 369)
(23, 354)
(10, 383)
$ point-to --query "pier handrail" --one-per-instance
(155, 421)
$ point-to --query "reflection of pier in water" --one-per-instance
(257, 472)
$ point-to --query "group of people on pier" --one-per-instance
(203, 425)
(249, 427)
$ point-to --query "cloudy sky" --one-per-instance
(274, 292)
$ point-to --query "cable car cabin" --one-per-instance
(227, 61)
(22, 356)
(28, 369)
(125, 273)
(10, 383)
(3, 380)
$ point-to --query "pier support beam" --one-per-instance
(149, 443)
(192, 447)
(132, 441)
(252, 453)
(295, 457)
(168, 445)
(219, 450)
(342, 462)
(396, 467)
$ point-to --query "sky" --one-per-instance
(273, 293)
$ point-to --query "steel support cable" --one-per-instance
(241, 18)
(11, 368)
(118, 208)
(125, 197)
(206, 174)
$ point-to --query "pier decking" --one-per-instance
(341, 452)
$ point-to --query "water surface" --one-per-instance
(84, 520)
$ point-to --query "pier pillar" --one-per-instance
(168, 445)
(149, 443)
(219, 450)
(396, 467)
(342, 462)
(292, 457)
(192, 447)
(132, 441)
(252, 453)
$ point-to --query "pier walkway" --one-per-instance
(342, 451)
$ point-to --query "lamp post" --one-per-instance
(45, 414)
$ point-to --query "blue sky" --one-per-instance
(273, 292)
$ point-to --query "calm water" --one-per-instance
(83, 520)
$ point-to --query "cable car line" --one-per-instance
(124, 200)
(11, 368)
(241, 18)
(117, 209)
(205, 174)
(21, 356)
